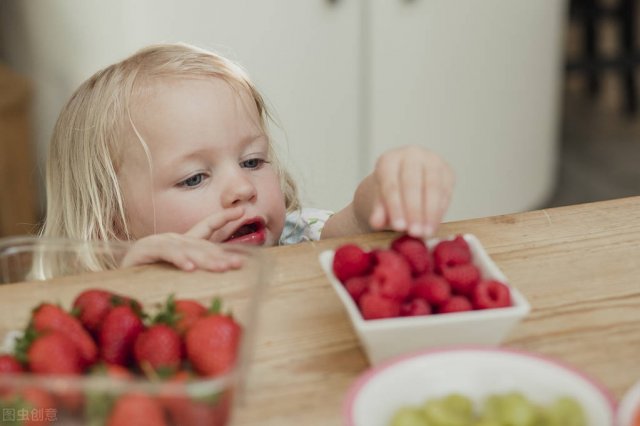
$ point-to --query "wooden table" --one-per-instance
(579, 267)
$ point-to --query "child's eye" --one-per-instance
(253, 163)
(192, 181)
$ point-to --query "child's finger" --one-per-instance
(412, 179)
(212, 257)
(186, 253)
(445, 195)
(378, 217)
(432, 208)
(388, 178)
(440, 189)
(206, 227)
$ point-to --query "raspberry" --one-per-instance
(455, 304)
(392, 274)
(351, 261)
(356, 286)
(433, 288)
(451, 253)
(491, 294)
(375, 305)
(463, 278)
(415, 307)
(415, 252)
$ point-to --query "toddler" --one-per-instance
(169, 149)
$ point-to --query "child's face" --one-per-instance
(208, 153)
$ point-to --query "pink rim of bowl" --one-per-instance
(354, 390)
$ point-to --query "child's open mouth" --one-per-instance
(252, 231)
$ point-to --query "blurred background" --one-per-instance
(532, 102)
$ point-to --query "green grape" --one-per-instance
(441, 413)
(459, 403)
(511, 409)
(565, 411)
(409, 416)
(487, 423)
(492, 408)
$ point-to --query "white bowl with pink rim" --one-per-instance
(475, 372)
(385, 338)
(629, 409)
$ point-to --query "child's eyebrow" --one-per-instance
(253, 138)
(244, 143)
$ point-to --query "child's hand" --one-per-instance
(412, 190)
(188, 251)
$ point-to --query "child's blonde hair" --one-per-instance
(84, 198)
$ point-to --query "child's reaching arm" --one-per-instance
(408, 191)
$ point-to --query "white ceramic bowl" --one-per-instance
(629, 406)
(475, 372)
(384, 338)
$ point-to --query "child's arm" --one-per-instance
(408, 191)
(188, 251)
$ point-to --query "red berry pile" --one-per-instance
(108, 334)
(408, 279)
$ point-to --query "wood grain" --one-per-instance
(578, 266)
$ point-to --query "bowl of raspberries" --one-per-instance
(419, 294)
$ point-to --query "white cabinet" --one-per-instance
(473, 80)
(476, 81)
(303, 56)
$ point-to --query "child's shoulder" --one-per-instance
(304, 224)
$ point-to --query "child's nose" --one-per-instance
(238, 188)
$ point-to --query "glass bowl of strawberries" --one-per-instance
(76, 353)
(423, 294)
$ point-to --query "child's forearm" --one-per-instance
(354, 218)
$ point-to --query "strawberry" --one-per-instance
(351, 261)
(415, 307)
(212, 344)
(194, 412)
(114, 371)
(31, 406)
(99, 403)
(211, 410)
(93, 305)
(356, 286)
(415, 252)
(455, 304)
(54, 353)
(491, 294)
(136, 410)
(374, 305)
(188, 312)
(180, 314)
(158, 347)
(432, 288)
(118, 334)
(451, 252)
(463, 278)
(9, 365)
(392, 274)
(49, 317)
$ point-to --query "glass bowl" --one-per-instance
(35, 270)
